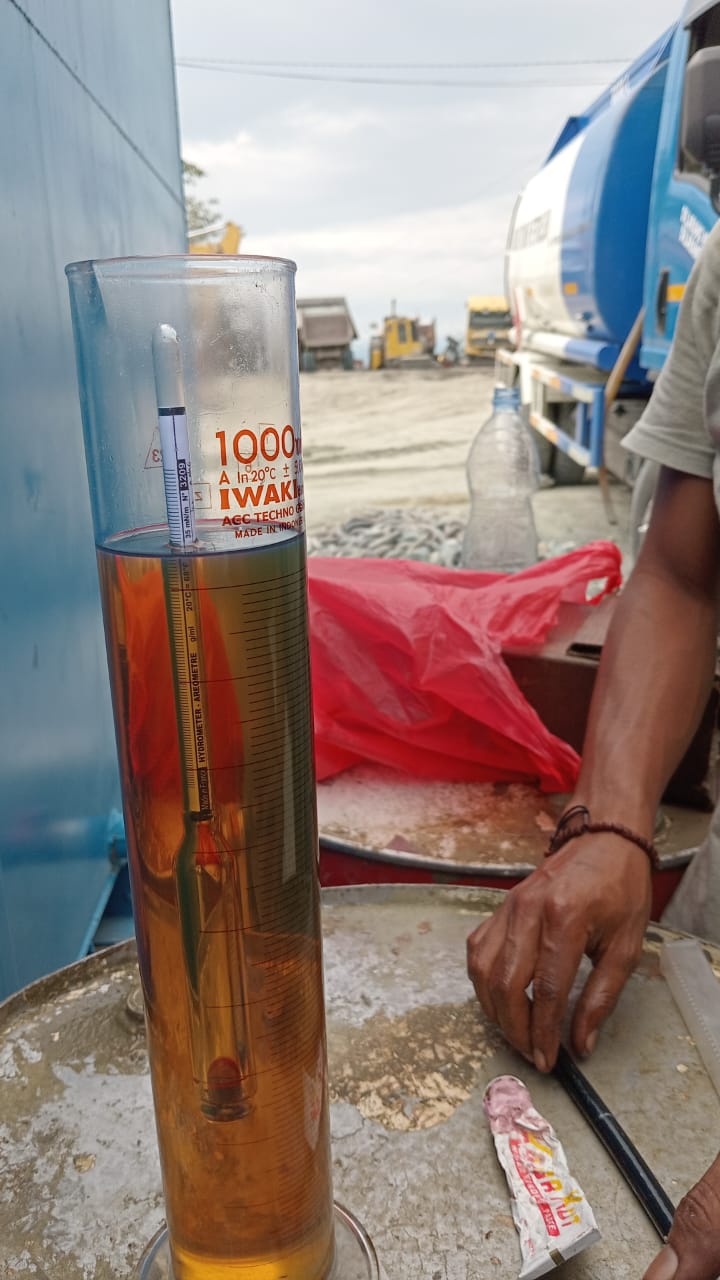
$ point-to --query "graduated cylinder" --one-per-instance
(188, 382)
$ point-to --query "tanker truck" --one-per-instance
(601, 244)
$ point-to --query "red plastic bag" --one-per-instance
(408, 672)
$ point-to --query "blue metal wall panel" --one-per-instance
(90, 167)
(121, 51)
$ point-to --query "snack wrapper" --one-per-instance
(552, 1216)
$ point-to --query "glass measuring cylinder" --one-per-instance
(188, 379)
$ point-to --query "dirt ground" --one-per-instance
(400, 438)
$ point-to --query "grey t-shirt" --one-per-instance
(680, 427)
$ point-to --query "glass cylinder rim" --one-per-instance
(198, 264)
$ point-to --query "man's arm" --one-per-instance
(593, 897)
(659, 659)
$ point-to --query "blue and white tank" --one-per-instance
(576, 251)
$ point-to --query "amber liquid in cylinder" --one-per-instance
(227, 903)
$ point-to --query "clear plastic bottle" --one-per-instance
(503, 473)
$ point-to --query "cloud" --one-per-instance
(244, 164)
(300, 148)
(307, 168)
(430, 260)
(390, 192)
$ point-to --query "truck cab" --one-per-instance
(488, 326)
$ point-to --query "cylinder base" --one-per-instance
(355, 1257)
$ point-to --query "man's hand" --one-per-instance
(693, 1248)
(592, 898)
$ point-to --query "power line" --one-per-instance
(197, 65)
(405, 66)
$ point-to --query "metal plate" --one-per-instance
(378, 826)
(410, 1055)
(498, 828)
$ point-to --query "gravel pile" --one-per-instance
(395, 534)
(408, 533)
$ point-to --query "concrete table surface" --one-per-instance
(410, 1054)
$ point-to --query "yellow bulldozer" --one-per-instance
(403, 343)
(229, 242)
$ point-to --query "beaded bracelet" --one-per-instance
(564, 834)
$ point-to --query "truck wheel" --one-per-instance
(641, 505)
(545, 452)
(543, 447)
(565, 470)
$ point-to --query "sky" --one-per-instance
(378, 191)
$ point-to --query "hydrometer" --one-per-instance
(212, 898)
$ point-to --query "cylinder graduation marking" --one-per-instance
(185, 628)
